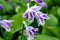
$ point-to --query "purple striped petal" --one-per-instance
(31, 30)
(29, 16)
(6, 24)
(44, 16)
(31, 34)
(35, 30)
(39, 1)
(43, 4)
(40, 19)
(36, 8)
(26, 15)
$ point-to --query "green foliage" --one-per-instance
(56, 2)
(18, 23)
(58, 11)
(1, 38)
(45, 37)
(14, 10)
(5, 4)
(52, 21)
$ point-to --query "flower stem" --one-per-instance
(47, 10)
(22, 33)
(2, 32)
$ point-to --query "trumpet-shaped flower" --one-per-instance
(34, 12)
(30, 31)
(40, 2)
(6, 24)
(41, 17)
(30, 12)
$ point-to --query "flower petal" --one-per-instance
(26, 15)
(43, 4)
(44, 16)
(29, 16)
(36, 8)
(30, 31)
(39, 1)
(6, 24)
(39, 18)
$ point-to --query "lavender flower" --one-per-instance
(30, 12)
(30, 31)
(6, 24)
(34, 12)
(1, 7)
(41, 17)
(40, 2)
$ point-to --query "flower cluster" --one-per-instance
(34, 13)
(30, 14)
(6, 24)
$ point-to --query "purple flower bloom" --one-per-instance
(41, 17)
(30, 13)
(6, 24)
(30, 31)
(1, 7)
(43, 4)
(34, 12)
(29, 16)
(40, 2)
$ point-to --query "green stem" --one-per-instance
(22, 33)
(2, 31)
(47, 10)
(1, 27)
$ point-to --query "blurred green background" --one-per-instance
(14, 10)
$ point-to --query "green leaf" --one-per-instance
(56, 2)
(45, 37)
(1, 38)
(49, 3)
(52, 21)
(55, 30)
(23, 38)
(58, 11)
(20, 9)
(53, 10)
(23, 2)
(8, 36)
(15, 1)
(17, 24)
(5, 4)
(51, 31)
(46, 31)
